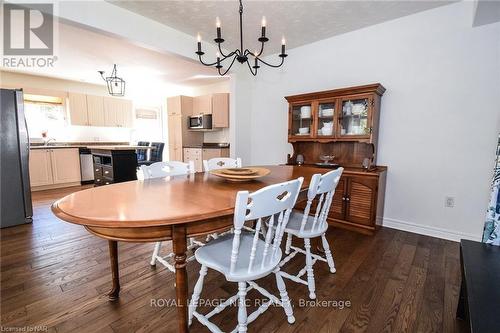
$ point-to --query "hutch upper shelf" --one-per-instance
(348, 114)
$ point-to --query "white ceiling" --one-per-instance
(302, 22)
(81, 53)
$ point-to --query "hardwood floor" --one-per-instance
(55, 275)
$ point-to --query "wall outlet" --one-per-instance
(449, 202)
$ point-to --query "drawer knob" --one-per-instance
(106, 172)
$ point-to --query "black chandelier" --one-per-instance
(116, 85)
(243, 56)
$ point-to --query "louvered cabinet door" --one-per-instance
(361, 200)
(337, 210)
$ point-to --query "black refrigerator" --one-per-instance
(15, 195)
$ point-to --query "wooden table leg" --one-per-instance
(113, 257)
(181, 284)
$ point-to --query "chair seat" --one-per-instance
(293, 226)
(217, 255)
(144, 162)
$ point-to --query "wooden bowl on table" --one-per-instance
(241, 174)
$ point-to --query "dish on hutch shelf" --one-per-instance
(326, 113)
(303, 130)
(305, 112)
(358, 109)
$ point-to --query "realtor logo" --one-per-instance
(28, 29)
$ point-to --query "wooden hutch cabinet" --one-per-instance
(343, 123)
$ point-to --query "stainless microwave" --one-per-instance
(203, 121)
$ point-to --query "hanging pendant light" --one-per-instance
(116, 85)
(243, 56)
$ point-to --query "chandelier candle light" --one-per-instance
(243, 56)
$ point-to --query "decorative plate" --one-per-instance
(239, 171)
(257, 172)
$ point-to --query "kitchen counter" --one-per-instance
(208, 145)
(56, 147)
(119, 147)
(60, 145)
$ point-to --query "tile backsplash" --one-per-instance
(217, 136)
(90, 134)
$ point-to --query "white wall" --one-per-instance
(440, 115)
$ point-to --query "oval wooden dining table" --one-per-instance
(170, 208)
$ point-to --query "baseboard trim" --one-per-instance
(428, 230)
(54, 186)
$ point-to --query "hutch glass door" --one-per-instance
(326, 116)
(354, 118)
(301, 120)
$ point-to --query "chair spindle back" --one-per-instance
(277, 199)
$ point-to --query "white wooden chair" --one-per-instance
(167, 169)
(221, 163)
(244, 256)
(305, 226)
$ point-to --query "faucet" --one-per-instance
(48, 141)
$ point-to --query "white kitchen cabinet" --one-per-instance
(40, 167)
(202, 105)
(194, 154)
(197, 155)
(127, 113)
(220, 110)
(215, 104)
(110, 112)
(65, 165)
(50, 168)
(95, 110)
(117, 112)
(179, 109)
(209, 153)
(90, 110)
(175, 137)
(174, 153)
(78, 109)
(174, 105)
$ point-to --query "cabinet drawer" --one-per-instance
(97, 171)
(107, 172)
(98, 181)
